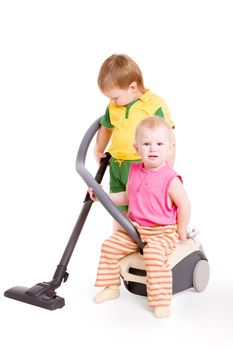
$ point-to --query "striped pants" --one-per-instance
(160, 242)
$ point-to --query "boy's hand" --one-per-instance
(99, 155)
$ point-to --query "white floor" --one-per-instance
(202, 320)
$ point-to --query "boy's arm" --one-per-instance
(179, 197)
(102, 139)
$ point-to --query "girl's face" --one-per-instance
(154, 146)
(122, 97)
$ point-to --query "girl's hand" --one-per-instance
(91, 194)
(183, 236)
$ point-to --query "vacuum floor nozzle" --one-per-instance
(46, 301)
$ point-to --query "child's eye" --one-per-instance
(159, 143)
(146, 144)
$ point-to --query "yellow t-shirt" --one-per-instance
(124, 121)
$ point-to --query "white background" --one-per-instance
(51, 52)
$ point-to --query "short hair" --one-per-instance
(119, 71)
(152, 122)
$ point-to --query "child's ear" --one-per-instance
(170, 148)
(135, 147)
(133, 85)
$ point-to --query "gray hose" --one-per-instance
(100, 194)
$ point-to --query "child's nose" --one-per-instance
(153, 147)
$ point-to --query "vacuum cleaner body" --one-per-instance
(188, 262)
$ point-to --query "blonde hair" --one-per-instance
(119, 71)
(152, 122)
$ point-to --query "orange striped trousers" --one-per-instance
(160, 242)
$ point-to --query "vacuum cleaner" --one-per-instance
(189, 267)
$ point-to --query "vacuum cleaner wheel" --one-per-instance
(201, 275)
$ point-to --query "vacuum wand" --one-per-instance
(43, 294)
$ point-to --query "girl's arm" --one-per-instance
(179, 197)
(119, 198)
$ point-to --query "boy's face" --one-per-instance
(122, 97)
(154, 146)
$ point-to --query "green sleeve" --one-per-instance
(159, 112)
(105, 120)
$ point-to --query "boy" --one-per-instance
(121, 80)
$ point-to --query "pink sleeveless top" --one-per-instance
(148, 195)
